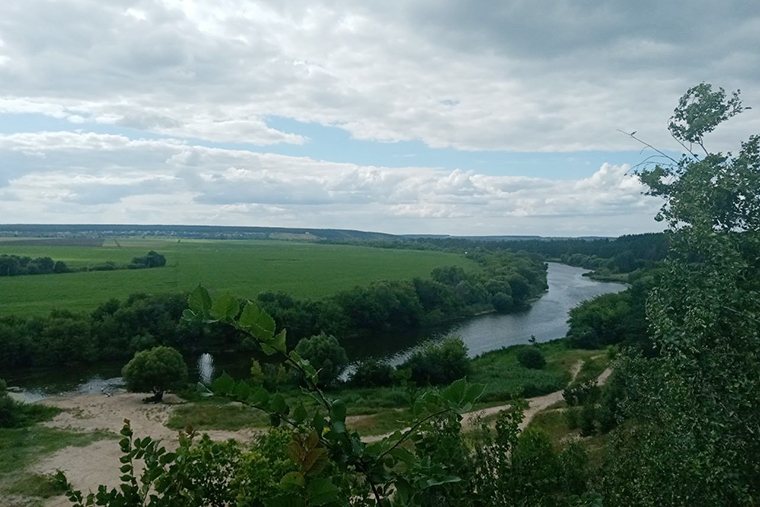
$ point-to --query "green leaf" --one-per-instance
(258, 322)
(293, 480)
(189, 315)
(242, 390)
(338, 411)
(199, 301)
(299, 414)
(268, 350)
(279, 342)
(259, 397)
(224, 385)
(167, 458)
(225, 307)
(318, 422)
(455, 392)
(474, 392)
(278, 404)
(321, 491)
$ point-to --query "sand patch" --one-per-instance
(98, 463)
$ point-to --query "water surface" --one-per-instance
(546, 320)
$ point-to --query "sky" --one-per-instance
(400, 116)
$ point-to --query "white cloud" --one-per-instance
(116, 178)
(525, 76)
(541, 76)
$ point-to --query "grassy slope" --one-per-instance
(381, 410)
(244, 267)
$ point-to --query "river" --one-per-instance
(546, 320)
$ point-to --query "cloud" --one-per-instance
(163, 109)
(160, 179)
(522, 76)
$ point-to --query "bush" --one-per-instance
(502, 302)
(439, 362)
(372, 373)
(587, 419)
(579, 394)
(325, 354)
(155, 370)
(531, 358)
(574, 463)
(572, 418)
(7, 407)
(584, 338)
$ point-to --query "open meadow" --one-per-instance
(245, 267)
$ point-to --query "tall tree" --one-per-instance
(694, 411)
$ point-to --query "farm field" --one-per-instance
(245, 267)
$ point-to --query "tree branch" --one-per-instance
(632, 136)
(412, 430)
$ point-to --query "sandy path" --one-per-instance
(87, 467)
(535, 405)
(98, 463)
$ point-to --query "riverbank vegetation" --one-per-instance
(116, 330)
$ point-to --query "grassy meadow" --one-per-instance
(245, 267)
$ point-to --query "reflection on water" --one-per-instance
(546, 320)
(206, 368)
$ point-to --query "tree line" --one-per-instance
(16, 265)
(116, 329)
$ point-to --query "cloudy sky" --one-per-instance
(401, 116)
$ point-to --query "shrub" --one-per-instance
(372, 373)
(439, 362)
(155, 370)
(325, 354)
(584, 338)
(574, 463)
(531, 358)
(7, 407)
(587, 419)
(572, 418)
(579, 394)
(502, 302)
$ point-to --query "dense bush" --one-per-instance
(439, 362)
(14, 265)
(155, 371)
(502, 302)
(325, 354)
(152, 260)
(580, 394)
(372, 373)
(531, 357)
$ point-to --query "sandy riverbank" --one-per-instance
(98, 463)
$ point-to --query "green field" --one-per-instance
(245, 267)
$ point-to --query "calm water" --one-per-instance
(546, 320)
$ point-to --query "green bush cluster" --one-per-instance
(155, 371)
(15, 265)
(439, 362)
(531, 358)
